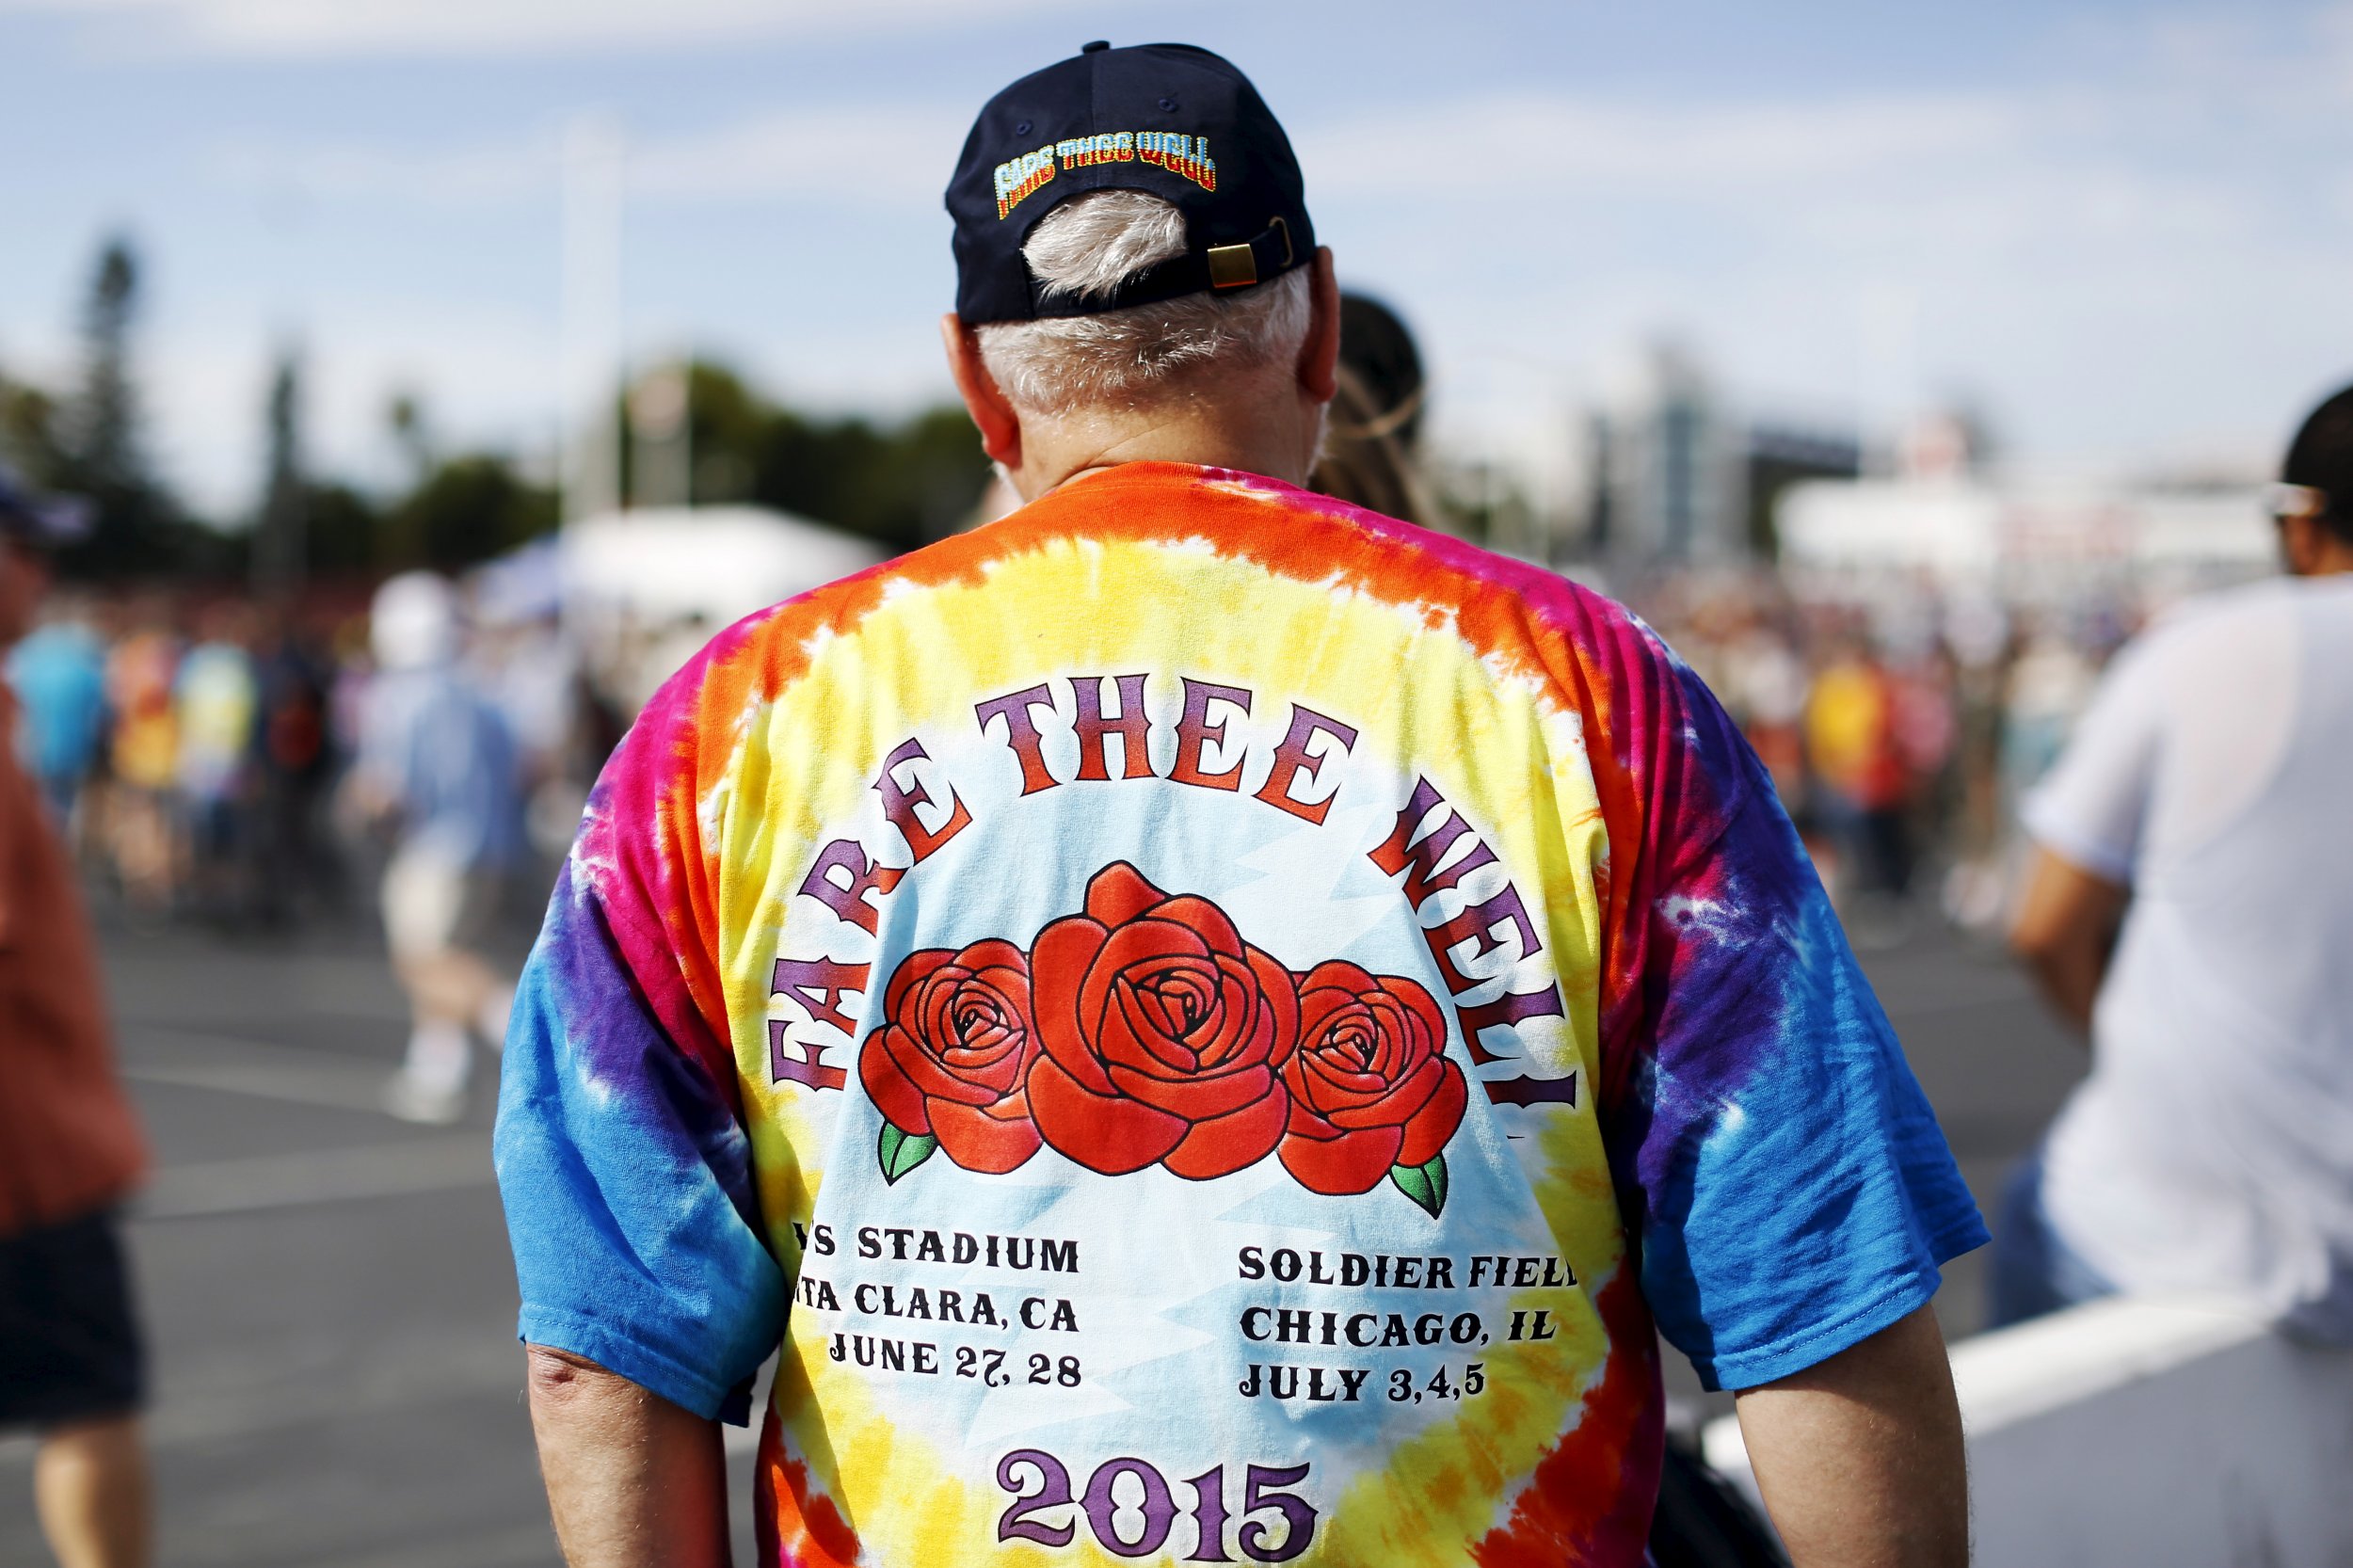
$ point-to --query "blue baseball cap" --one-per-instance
(45, 521)
(1166, 119)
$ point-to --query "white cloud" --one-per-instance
(2150, 217)
(2117, 261)
(487, 375)
(458, 177)
(1484, 145)
(862, 156)
(879, 155)
(445, 27)
(2130, 254)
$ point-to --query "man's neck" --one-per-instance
(1277, 441)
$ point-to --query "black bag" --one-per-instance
(1703, 1522)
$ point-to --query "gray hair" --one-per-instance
(1083, 249)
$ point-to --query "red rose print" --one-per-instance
(952, 1059)
(1165, 1034)
(1371, 1087)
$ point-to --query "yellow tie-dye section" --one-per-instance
(1494, 742)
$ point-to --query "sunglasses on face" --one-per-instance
(2283, 502)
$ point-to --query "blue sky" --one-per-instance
(2126, 230)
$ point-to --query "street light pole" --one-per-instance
(594, 155)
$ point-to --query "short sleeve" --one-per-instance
(379, 757)
(2092, 807)
(622, 1157)
(1791, 1192)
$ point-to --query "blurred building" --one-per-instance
(1675, 475)
(2049, 540)
(1666, 466)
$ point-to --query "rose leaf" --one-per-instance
(1425, 1184)
(901, 1152)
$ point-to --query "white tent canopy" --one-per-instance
(639, 592)
(712, 564)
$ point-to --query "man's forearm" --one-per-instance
(633, 1481)
(2069, 977)
(1859, 1459)
(2065, 930)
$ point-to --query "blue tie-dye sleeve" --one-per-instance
(1792, 1191)
(627, 1180)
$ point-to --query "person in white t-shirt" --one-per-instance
(2190, 907)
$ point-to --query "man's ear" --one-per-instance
(1319, 356)
(992, 412)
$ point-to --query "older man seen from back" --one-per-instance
(1207, 1023)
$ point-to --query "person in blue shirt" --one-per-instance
(58, 674)
(436, 762)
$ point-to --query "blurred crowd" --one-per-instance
(196, 752)
(1901, 731)
(193, 750)
(203, 753)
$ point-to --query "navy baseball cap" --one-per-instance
(1166, 119)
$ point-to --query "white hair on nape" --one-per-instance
(1083, 249)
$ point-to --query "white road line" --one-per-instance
(505, 1550)
(336, 1088)
(179, 1041)
(438, 1164)
(191, 1059)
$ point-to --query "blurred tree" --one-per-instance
(901, 485)
(30, 440)
(340, 528)
(404, 416)
(106, 423)
(1489, 509)
(938, 470)
(465, 510)
(136, 527)
(725, 423)
(281, 531)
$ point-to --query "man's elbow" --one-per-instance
(2054, 942)
(2066, 964)
(2066, 920)
(563, 1385)
(2040, 947)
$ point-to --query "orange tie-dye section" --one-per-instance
(1523, 623)
(1592, 1487)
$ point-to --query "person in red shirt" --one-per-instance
(72, 1364)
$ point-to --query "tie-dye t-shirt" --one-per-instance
(1210, 1024)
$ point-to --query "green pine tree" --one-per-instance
(135, 528)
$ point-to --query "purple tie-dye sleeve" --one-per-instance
(621, 1154)
(1789, 1186)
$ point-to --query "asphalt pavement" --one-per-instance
(328, 1291)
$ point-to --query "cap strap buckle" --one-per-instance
(1236, 266)
(1232, 266)
(1218, 268)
